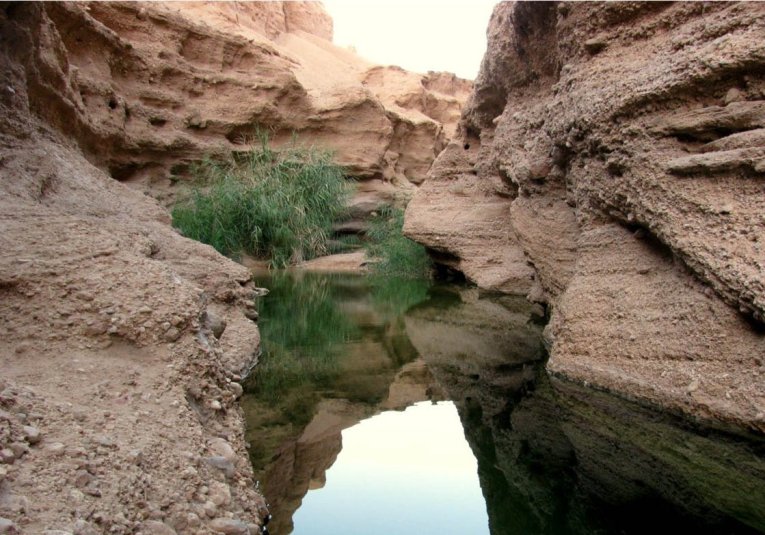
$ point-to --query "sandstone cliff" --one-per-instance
(610, 163)
(148, 88)
(122, 343)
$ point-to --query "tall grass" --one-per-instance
(398, 256)
(276, 205)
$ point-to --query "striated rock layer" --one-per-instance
(122, 344)
(146, 89)
(610, 163)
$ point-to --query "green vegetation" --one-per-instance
(345, 244)
(277, 205)
(398, 255)
(305, 322)
(393, 296)
(302, 328)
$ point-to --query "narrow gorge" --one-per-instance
(598, 187)
(124, 344)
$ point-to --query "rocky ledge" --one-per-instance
(610, 164)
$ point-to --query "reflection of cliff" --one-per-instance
(633, 458)
(302, 455)
(484, 351)
(490, 331)
(558, 458)
(564, 459)
(478, 349)
(296, 418)
(301, 462)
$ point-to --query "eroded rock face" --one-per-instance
(113, 381)
(621, 148)
(148, 88)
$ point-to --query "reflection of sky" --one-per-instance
(400, 472)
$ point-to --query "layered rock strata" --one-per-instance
(610, 163)
(123, 344)
(147, 89)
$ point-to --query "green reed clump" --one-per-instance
(397, 255)
(270, 204)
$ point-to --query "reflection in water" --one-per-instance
(335, 352)
(552, 457)
(400, 472)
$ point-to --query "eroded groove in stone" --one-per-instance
(717, 162)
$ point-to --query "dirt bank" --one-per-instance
(122, 343)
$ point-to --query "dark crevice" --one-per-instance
(445, 267)
(688, 138)
(644, 234)
(756, 325)
(709, 135)
(47, 186)
(12, 9)
(472, 133)
(123, 171)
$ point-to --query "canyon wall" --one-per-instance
(147, 89)
(122, 344)
(611, 163)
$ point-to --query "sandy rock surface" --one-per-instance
(147, 89)
(355, 262)
(624, 143)
(122, 344)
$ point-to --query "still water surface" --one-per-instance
(400, 472)
(396, 407)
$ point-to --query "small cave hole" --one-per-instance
(112, 103)
(466, 146)
(445, 273)
(755, 321)
(686, 138)
(123, 171)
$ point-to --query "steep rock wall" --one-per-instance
(620, 148)
(148, 88)
(122, 344)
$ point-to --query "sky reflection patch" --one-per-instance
(400, 472)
